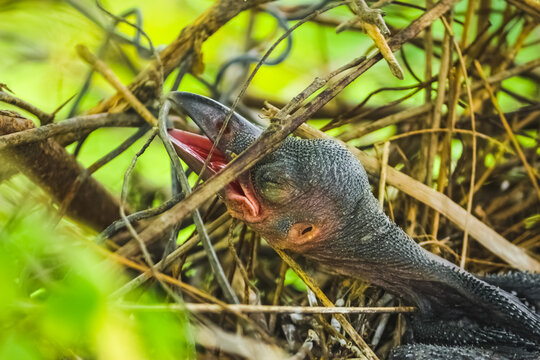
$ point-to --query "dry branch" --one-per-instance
(78, 125)
(52, 168)
(269, 309)
(366, 350)
(40, 114)
(112, 79)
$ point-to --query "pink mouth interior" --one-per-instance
(198, 147)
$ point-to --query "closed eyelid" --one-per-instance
(273, 177)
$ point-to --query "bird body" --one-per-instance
(313, 197)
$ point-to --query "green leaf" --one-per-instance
(292, 279)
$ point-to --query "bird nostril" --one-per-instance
(306, 230)
(220, 124)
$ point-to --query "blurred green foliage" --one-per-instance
(55, 292)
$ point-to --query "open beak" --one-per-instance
(193, 149)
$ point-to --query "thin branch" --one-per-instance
(140, 215)
(267, 309)
(112, 79)
(382, 181)
(15, 101)
(79, 124)
(223, 220)
(197, 219)
(463, 68)
(327, 303)
(474, 134)
(508, 129)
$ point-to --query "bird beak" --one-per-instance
(210, 116)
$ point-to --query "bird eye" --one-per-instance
(274, 192)
(273, 186)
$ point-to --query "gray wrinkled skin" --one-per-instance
(434, 352)
(456, 308)
(320, 183)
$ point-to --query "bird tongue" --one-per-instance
(194, 150)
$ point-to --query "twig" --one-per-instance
(41, 115)
(112, 79)
(327, 303)
(77, 124)
(197, 219)
(436, 124)
(237, 262)
(464, 249)
(268, 309)
(140, 215)
(277, 294)
(529, 6)
(411, 113)
(474, 134)
(164, 263)
(508, 129)
(375, 27)
(384, 164)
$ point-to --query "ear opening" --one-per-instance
(307, 229)
(303, 233)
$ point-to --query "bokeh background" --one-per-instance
(54, 282)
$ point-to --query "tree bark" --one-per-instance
(50, 166)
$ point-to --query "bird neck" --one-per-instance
(374, 248)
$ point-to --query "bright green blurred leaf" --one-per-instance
(292, 279)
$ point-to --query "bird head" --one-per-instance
(300, 197)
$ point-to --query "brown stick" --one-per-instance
(40, 114)
(366, 350)
(52, 168)
(269, 309)
(112, 79)
(529, 6)
(80, 124)
(508, 129)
